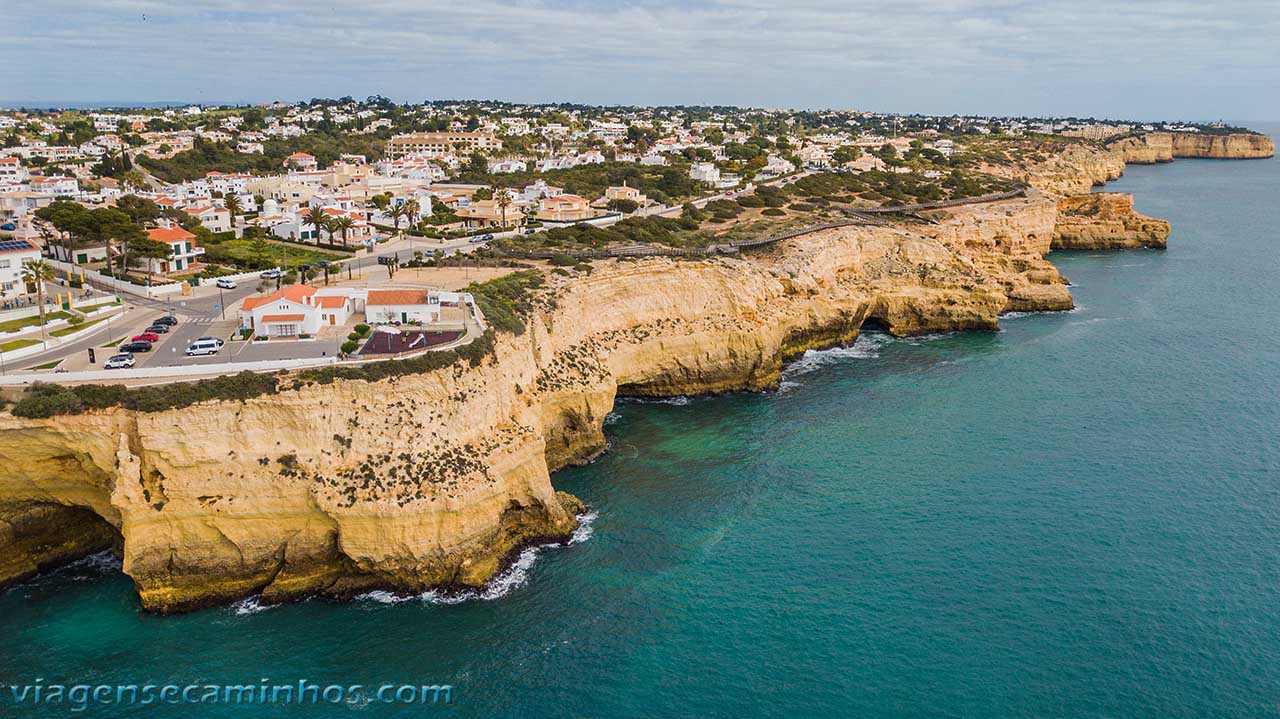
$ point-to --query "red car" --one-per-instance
(146, 337)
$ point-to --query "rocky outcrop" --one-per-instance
(1073, 170)
(1105, 221)
(1147, 149)
(433, 479)
(1237, 146)
(1165, 146)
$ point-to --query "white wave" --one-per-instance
(867, 346)
(677, 401)
(1034, 313)
(100, 562)
(383, 597)
(611, 418)
(586, 527)
(250, 605)
(513, 577)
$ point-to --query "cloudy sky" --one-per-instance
(1142, 59)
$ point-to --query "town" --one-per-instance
(181, 241)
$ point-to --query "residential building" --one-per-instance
(508, 166)
(293, 310)
(402, 306)
(13, 255)
(441, 142)
(705, 172)
(564, 208)
(486, 213)
(183, 250)
(625, 193)
(12, 172)
(217, 219)
(301, 161)
(57, 186)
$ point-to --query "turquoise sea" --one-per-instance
(1078, 516)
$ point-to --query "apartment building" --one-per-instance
(441, 142)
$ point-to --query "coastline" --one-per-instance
(649, 328)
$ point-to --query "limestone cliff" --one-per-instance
(1073, 170)
(1105, 221)
(1165, 146)
(432, 479)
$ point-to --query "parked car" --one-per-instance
(120, 361)
(530, 231)
(136, 346)
(210, 339)
(226, 284)
(486, 237)
(166, 320)
(146, 337)
(271, 274)
(203, 347)
(158, 329)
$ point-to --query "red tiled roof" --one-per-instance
(397, 297)
(169, 234)
(293, 293)
(331, 301)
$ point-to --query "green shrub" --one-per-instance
(562, 260)
(350, 346)
(362, 329)
(353, 336)
(46, 400)
(773, 212)
(505, 301)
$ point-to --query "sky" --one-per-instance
(1121, 59)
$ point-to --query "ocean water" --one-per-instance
(1078, 516)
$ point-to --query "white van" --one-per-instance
(203, 347)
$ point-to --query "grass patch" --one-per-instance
(100, 305)
(64, 331)
(17, 345)
(48, 365)
(249, 254)
(33, 321)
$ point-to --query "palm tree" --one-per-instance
(503, 199)
(232, 203)
(38, 272)
(317, 219)
(411, 208)
(343, 225)
(397, 213)
(133, 180)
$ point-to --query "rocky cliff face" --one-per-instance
(1105, 221)
(433, 479)
(1165, 146)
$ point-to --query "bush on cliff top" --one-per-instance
(46, 400)
(506, 301)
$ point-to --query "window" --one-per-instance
(5, 264)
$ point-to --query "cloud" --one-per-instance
(1171, 58)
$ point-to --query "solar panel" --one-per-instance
(15, 245)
